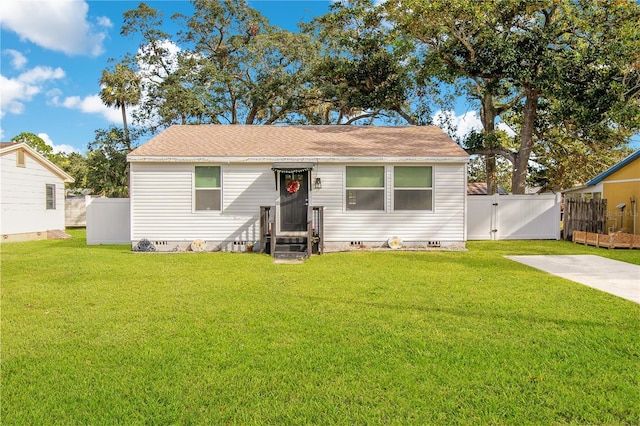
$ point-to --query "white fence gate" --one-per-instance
(513, 217)
(108, 221)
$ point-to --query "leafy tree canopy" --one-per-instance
(364, 72)
(107, 167)
(119, 88)
(227, 65)
(544, 65)
(564, 74)
(35, 142)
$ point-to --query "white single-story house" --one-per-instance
(32, 201)
(298, 188)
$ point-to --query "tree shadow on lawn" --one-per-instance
(490, 313)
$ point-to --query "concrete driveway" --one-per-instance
(619, 278)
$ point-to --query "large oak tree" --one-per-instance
(227, 65)
(574, 62)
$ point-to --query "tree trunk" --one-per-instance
(126, 128)
(251, 117)
(519, 178)
(488, 117)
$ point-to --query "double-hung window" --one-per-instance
(50, 192)
(412, 188)
(365, 188)
(207, 188)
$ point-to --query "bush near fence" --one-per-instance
(614, 240)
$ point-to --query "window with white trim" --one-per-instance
(412, 188)
(365, 188)
(50, 196)
(208, 192)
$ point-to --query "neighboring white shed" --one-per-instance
(339, 186)
(32, 195)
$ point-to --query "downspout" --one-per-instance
(634, 212)
(465, 206)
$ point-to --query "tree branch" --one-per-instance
(511, 156)
(360, 117)
(509, 104)
(408, 118)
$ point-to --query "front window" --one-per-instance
(51, 197)
(412, 188)
(207, 188)
(365, 188)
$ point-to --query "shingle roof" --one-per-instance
(299, 141)
(480, 188)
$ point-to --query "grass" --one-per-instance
(99, 335)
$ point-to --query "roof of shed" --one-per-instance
(300, 141)
(480, 188)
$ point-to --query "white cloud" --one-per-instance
(461, 124)
(16, 91)
(465, 123)
(59, 25)
(103, 21)
(91, 104)
(67, 149)
(508, 130)
(41, 74)
(18, 60)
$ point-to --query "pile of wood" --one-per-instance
(613, 240)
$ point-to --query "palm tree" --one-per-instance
(118, 89)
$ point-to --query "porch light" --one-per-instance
(317, 184)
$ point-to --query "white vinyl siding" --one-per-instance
(24, 194)
(162, 204)
(444, 223)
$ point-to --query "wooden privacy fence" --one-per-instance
(582, 215)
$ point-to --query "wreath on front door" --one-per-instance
(293, 186)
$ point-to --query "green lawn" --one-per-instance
(99, 335)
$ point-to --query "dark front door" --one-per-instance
(294, 199)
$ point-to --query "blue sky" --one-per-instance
(53, 52)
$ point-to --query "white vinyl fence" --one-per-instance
(495, 217)
(75, 211)
(513, 217)
(108, 221)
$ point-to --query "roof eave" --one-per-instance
(312, 159)
(631, 158)
(66, 178)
